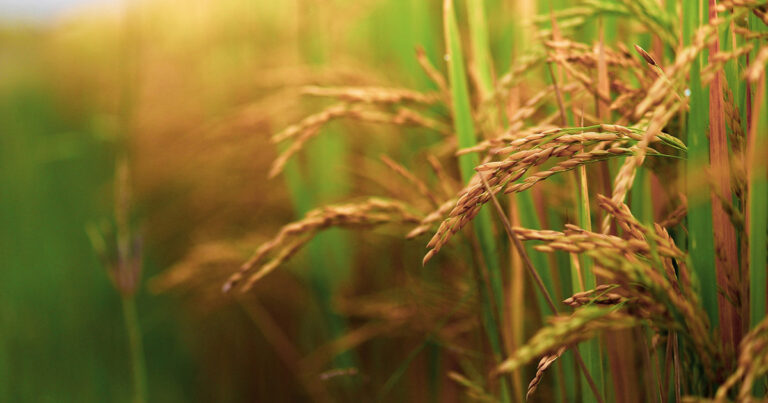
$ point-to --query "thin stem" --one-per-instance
(756, 210)
(137, 349)
(676, 357)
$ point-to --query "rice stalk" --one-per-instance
(483, 227)
(757, 191)
(701, 240)
(667, 278)
(725, 238)
(540, 283)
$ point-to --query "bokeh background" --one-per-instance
(135, 139)
(188, 92)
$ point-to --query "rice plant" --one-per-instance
(634, 177)
(390, 200)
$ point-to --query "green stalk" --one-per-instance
(478, 35)
(528, 219)
(757, 210)
(589, 352)
(569, 283)
(328, 252)
(525, 205)
(137, 349)
(590, 349)
(641, 203)
(129, 81)
(757, 202)
(465, 131)
(701, 242)
(434, 358)
(481, 56)
(416, 26)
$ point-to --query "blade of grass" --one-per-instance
(137, 350)
(465, 132)
(757, 203)
(757, 206)
(564, 276)
(328, 252)
(701, 241)
(589, 349)
(416, 18)
(481, 55)
(757, 214)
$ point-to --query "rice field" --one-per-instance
(386, 200)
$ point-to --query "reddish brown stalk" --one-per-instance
(725, 237)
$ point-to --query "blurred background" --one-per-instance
(134, 148)
(136, 145)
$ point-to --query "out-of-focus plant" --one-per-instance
(651, 110)
(120, 250)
